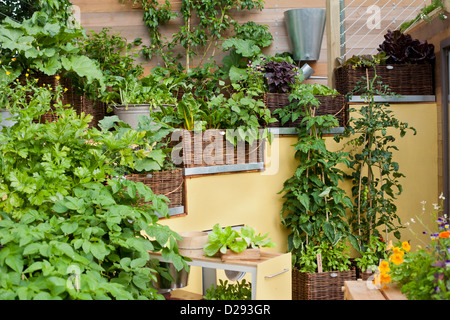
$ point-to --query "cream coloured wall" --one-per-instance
(252, 198)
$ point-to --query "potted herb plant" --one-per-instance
(321, 270)
(131, 97)
(230, 244)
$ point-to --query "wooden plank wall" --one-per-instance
(126, 19)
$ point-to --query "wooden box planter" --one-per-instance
(403, 79)
(320, 286)
(167, 183)
(210, 148)
(247, 254)
(329, 105)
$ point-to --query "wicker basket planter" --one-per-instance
(320, 286)
(334, 105)
(210, 148)
(403, 79)
(95, 108)
(167, 183)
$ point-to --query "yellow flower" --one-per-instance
(385, 278)
(406, 246)
(57, 77)
(65, 89)
(384, 266)
(26, 74)
(13, 59)
(397, 258)
(398, 251)
(8, 73)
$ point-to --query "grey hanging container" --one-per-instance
(305, 28)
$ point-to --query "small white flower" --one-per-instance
(412, 220)
(435, 206)
(442, 196)
(406, 223)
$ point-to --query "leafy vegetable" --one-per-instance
(221, 239)
(401, 48)
(280, 75)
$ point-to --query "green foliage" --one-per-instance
(46, 44)
(334, 257)
(371, 254)
(70, 230)
(242, 290)
(314, 207)
(214, 20)
(221, 239)
(375, 175)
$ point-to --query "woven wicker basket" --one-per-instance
(329, 105)
(209, 152)
(95, 108)
(167, 183)
(320, 286)
(403, 79)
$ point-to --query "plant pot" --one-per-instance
(247, 254)
(168, 183)
(192, 243)
(404, 79)
(305, 28)
(320, 286)
(6, 114)
(130, 114)
(329, 105)
(180, 278)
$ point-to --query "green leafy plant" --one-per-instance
(242, 290)
(214, 20)
(221, 239)
(69, 230)
(371, 254)
(424, 14)
(152, 152)
(375, 175)
(308, 92)
(335, 257)
(314, 206)
(46, 44)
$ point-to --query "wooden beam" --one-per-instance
(333, 38)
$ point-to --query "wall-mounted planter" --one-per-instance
(168, 183)
(206, 151)
(329, 105)
(305, 27)
(404, 79)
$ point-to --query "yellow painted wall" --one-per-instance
(252, 198)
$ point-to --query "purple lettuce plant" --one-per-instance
(280, 75)
(402, 48)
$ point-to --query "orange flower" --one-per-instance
(397, 250)
(444, 234)
(406, 246)
(384, 267)
(397, 258)
(385, 278)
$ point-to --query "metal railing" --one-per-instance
(363, 23)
